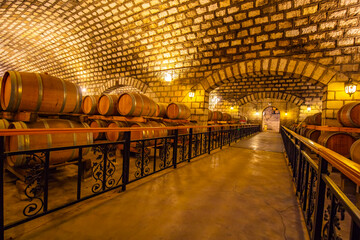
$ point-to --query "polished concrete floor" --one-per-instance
(241, 192)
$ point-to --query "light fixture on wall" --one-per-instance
(192, 93)
(286, 109)
(286, 113)
(83, 89)
(350, 87)
(232, 108)
(168, 77)
(308, 108)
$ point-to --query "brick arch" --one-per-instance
(273, 66)
(275, 95)
(113, 84)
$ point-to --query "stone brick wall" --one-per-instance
(250, 46)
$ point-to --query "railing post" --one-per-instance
(126, 160)
(300, 170)
(175, 147)
(355, 231)
(221, 137)
(320, 199)
(2, 159)
(209, 143)
(46, 178)
(190, 144)
(80, 172)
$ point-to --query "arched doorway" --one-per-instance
(271, 119)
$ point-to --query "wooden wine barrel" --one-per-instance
(149, 107)
(303, 131)
(89, 104)
(130, 104)
(210, 115)
(4, 124)
(137, 135)
(115, 136)
(315, 119)
(107, 105)
(158, 132)
(349, 115)
(98, 124)
(355, 151)
(161, 109)
(135, 105)
(43, 141)
(217, 116)
(178, 111)
(308, 120)
(313, 134)
(339, 142)
(226, 117)
(36, 92)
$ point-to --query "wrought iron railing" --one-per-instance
(328, 211)
(112, 165)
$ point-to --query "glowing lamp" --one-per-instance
(308, 108)
(350, 87)
(168, 77)
(191, 94)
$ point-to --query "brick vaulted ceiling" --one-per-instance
(93, 41)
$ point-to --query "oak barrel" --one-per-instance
(98, 124)
(226, 117)
(135, 105)
(37, 92)
(43, 141)
(217, 116)
(113, 135)
(307, 120)
(178, 111)
(107, 105)
(313, 134)
(4, 124)
(161, 109)
(303, 131)
(315, 119)
(149, 107)
(210, 115)
(349, 115)
(355, 151)
(339, 142)
(89, 104)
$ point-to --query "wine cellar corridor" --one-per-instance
(180, 119)
(208, 198)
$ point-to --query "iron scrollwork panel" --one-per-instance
(309, 214)
(34, 181)
(105, 161)
(333, 215)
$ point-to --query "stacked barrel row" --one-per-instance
(37, 92)
(349, 116)
(343, 143)
(132, 104)
(221, 116)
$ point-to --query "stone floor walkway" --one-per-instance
(241, 192)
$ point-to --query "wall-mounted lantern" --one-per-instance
(191, 93)
(350, 87)
(308, 108)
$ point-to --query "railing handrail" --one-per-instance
(347, 167)
(39, 131)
